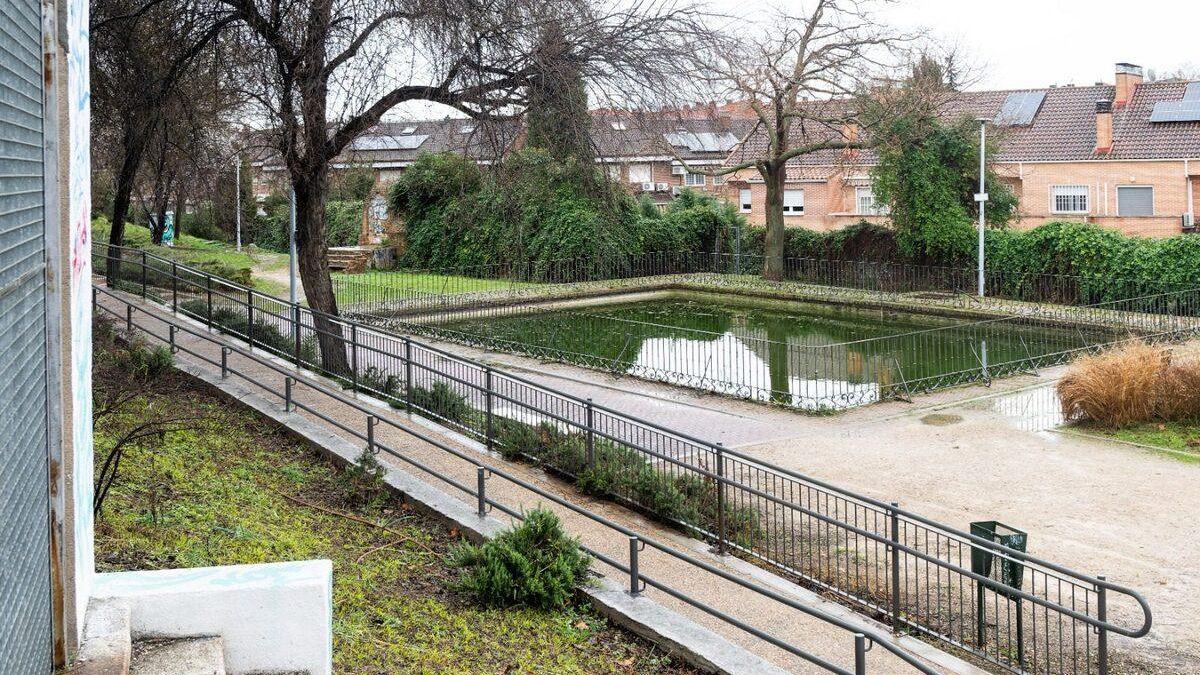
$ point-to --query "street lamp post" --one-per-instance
(237, 200)
(982, 197)
(292, 250)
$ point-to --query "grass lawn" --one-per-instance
(1182, 438)
(227, 486)
(382, 285)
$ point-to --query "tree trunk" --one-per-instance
(313, 262)
(134, 146)
(774, 241)
(180, 204)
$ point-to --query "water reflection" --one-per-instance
(1033, 409)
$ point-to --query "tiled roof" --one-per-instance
(621, 136)
(1136, 137)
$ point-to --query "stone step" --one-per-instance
(106, 648)
(187, 656)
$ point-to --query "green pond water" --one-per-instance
(799, 354)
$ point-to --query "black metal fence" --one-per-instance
(470, 306)
(907, 570)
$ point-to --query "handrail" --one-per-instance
(972, 540)
(494, 470)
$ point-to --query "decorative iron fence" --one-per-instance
(912, 572)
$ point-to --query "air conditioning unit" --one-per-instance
(662, 187)
(1189, 221)
(647, 187)
(678, 170)
(676, 190)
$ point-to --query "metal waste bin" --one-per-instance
(1008, 572)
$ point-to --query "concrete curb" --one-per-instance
(107, 643)
(671, 631)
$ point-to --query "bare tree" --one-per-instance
(804, 80)
(326, 71)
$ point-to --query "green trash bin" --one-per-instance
(1011, 571)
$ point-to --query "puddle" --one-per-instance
(941, 419)
(1032, 410)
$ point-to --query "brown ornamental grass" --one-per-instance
(1133, 383)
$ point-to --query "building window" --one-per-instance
(744, 198)
(640, 173)
(693, 179)
(1068, 199)
(718, 180)
(793, 202)
(1135, 200)
(865, 198)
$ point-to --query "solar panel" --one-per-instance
(1192, 92)
(1019, 108)
(702, 142)
(388, 142)
(1176, 111)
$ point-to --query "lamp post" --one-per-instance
(292, 250)
(981, 197)
(237, 199)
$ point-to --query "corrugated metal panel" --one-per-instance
(25, 621)
(1135, 201)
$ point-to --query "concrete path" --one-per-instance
(1098, 507)
(755, 609)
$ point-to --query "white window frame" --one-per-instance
(793, 202)
(636, 174)
(719, 180)
(689, 179)
(876, 209)
(1153, 206)
(1087, 198)
(745, 200)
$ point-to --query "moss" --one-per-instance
(230, 491)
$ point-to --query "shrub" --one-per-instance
(442, 401)
(145, 362)
(365, 477)
(1115, 388)
(533, 564)
(1177, 395)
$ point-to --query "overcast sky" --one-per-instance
(1036, 43)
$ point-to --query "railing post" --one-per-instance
(224, 362)
(635, 583)
(297, 343)
(288, 383)
(208, 289)
(354, 357)
(128, 318)
(590, 412)
(721, 540)
(371, 422)
(143, 275)
(481, 491)
(171, 338)
(487, 396)
(408, 375)
(250, 318)
(1102, 615)
(174, 286)
(894, 547)
(860, 654)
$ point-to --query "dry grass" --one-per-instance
(1130, 384)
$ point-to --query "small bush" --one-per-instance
(1178, 393)
(442, 401)
(1115, 388)
(533, 564)
(364, 478)
(145, 362)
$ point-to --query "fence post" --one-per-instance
(143, 275)
(296, 334)
(721, 548)
(128, 318)
(288, 383)
(590, 411)
(224, 362)
(408, 375)
(174, 286)
(635, 584)
(894, 547)
(487, 395)
(208, 288)
(481, 491)
(354, 357)
(250, 318)
(371, 421)
(1102, 615)
(860, 654)
(171, 338)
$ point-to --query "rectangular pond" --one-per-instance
(805, 355)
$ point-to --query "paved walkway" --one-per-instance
(768, 615)
(1098, 507)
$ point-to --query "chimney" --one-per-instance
(1104, 127)
(850, 135)
(1129, 77)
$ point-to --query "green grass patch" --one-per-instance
(233, 489)
(1181, 438)
(382, 285)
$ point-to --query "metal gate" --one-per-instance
(25, 619)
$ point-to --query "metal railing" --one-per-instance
(904, 569)
(635, 567)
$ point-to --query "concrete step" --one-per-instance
(187, 656)
(106, 648)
